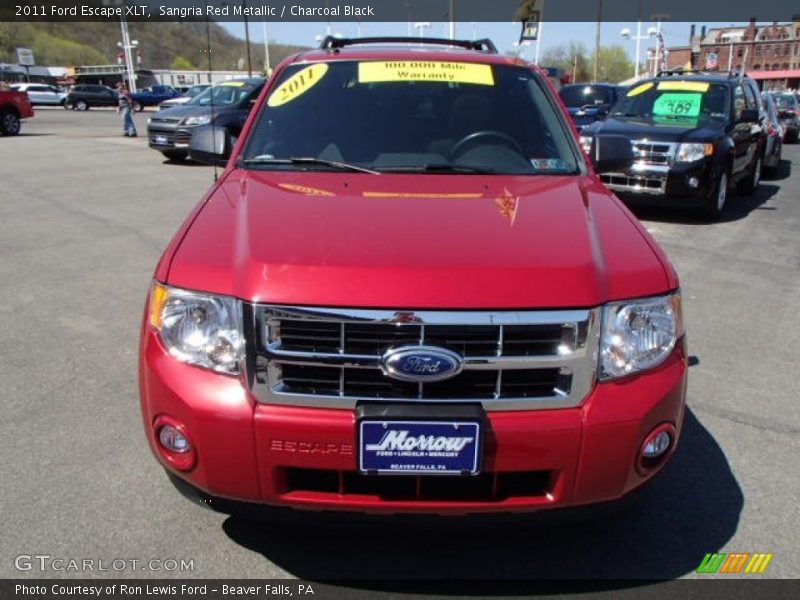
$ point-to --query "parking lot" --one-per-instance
(85, 214)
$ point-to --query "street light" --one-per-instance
(422, 26)
(626, 34)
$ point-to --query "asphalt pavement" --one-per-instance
(85, 214)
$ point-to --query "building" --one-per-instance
(768, 53)
(112, 74)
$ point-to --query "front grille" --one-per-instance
(653, 153)
(486, 487)
(510, 360)
(172, 137)
(638, 184)
(372, 383)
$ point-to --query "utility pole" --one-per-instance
(266, 47)
(247, 39)
(538, 43)
(452, 19)
(597, 39)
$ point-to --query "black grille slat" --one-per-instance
(302, 379)
(531, 340)
(376, 338)
(476, 340)
(310, 336)
(485, 487)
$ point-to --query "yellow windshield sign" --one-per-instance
(413, 70)
(683, 86)
(232, 83)
(298, 84)
(640, 89)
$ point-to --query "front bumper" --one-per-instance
(169, 138)
(306, 457)
(680, 183)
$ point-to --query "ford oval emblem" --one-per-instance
(421, 363)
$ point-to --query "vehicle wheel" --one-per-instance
(175, 155)
(748, 186)
(9, 123)
(138, 106)
(791, 137)
(715, 205)
(81, 105)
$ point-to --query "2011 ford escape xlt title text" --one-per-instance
(410, 292)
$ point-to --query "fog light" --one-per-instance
(657, 445)
(173, 440)
(173, 443)
(693, 182)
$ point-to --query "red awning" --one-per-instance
(785, 74)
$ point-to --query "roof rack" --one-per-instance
(334, 43)
(682, 71)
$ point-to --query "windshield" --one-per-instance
(578, 96)
(195, 90)
(223, 94)
(407, 116)
(682, 103)
(785, 101)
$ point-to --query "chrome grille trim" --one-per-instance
(649, 152)
(575, 360)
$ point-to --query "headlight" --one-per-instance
(586, 143)
(638, 334)
(204, 120)
(693, 152)
(199, 329)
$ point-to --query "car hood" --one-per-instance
(640, 128)
(420, 241)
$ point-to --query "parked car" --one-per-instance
(225, 105)
(14, 106)
(184, 97)
(409, 291)
(693, 134)
(83, 97)
(773, 145)
(153, 96)
(588, 103)
(42, 94)
(789, 115)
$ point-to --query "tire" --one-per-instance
(9, 123)
(748, 186)
(81, 105)
(791, 137)
(138, 106)
(175, 155)
(715, 205)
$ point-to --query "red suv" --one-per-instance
(409, 291)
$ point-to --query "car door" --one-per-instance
(741, 131)
(108, 97)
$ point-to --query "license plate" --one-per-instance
(419, 447)
(161, 140)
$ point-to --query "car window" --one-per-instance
(678, 102)
(576, 96)
(398, 116)
(739, 102)
(785, 101)
(224, 94)
(750, 97)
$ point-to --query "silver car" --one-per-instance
(41, 94)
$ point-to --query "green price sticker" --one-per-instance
(678, 105)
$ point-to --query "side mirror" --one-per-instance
(210, 145)
(749, 115)
(611, 153)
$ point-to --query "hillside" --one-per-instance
(163, 45)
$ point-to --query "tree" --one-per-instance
(572, 58)
(181, 64)
(614, 65)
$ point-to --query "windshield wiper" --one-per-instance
(306, 160)
(438, 168)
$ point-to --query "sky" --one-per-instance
(502, 34)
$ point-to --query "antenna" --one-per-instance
(211, 92)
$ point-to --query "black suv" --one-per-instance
(693, 135)
(83, 97)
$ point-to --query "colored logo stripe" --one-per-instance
(734, 562)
